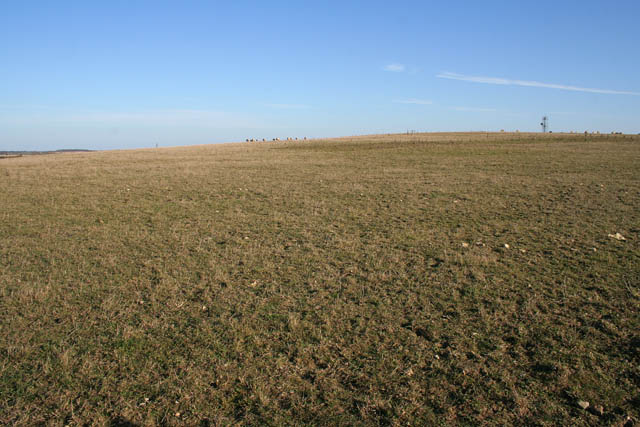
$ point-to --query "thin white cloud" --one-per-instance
(413, 101)
(509, 82)
(396, 68)
(289, 106)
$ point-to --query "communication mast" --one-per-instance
(544, 124)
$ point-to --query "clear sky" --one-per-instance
(125, 74)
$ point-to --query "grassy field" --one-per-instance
(397, 279)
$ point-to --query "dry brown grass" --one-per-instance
(324, 282)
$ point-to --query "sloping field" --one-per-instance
(441, 278)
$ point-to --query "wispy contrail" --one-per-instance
(509, 82)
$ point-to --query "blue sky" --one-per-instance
(126, 74)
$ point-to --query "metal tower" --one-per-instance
(544, 124)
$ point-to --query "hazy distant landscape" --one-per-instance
(454, 278)
(4, 154)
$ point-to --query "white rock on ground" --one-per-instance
(617, 236)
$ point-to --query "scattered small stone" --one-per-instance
(246, 237)
(595, 250)
(480, 244)
(204, 308)
(617, 236)
(177, 414)
(506, 246)
(524, 251)
(141, 302)
(254, 284)
(583, 404)
(465, 245)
